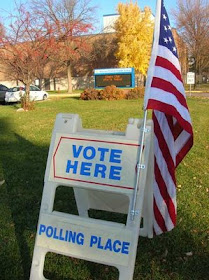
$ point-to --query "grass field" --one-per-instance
(182, 254)
(198, 87)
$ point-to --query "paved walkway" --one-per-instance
(198, 94)
(193, 94)
(52, 95)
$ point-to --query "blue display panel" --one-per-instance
(120, 77)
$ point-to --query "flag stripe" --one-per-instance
(163, 164)
(177, 130)
(160, 72)
(163, 62)
(156, 229)
(185, 149)
(159, 219)
(163, 146)
(157, 104)
(166, 53)
(181, 140)
(168, 87)
(164, 193)
(170, 184)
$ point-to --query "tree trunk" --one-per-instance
(69, 78)
(40, 83)
(27, 90)
(27, 96)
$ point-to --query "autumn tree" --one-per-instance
(25, 47)
(134, 29)
(101, 54)
(192, 22)
(71, 20)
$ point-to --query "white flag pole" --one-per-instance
(154, 52)
(134, 212)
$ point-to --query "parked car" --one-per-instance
(14, 94)
(3, 90)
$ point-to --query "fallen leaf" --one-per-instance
(165, 253)
(2, 182)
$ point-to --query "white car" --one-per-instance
(15, 93)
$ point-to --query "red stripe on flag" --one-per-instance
(176, 129)
(158, 217)
(184, 150)
(170, 110)
(164, 63)
(164, 193)
(169, 88)
(170, 121)
(164, 148)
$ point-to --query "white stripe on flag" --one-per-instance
(162, 207)
(181, 141)
(167, 54)
(167, 75)
(157, 228)
(162, 164)
(170, 99)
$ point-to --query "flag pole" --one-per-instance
(154, 52)
(140, 166)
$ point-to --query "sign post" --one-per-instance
(101, 167)
(190, 80)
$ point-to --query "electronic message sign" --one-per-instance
(120, 77)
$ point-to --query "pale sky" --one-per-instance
(104, 7)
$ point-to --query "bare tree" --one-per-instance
(101, 55)
(103, 52)
(25, 47)
(192, 20)
(71, 20)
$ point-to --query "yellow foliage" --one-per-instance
(134, 29)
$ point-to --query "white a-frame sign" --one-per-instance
(101, 167)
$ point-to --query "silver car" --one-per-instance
(15, 94)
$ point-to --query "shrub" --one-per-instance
(135, 93)
(90, 94)
(112, 93)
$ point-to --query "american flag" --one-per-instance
(173, 136)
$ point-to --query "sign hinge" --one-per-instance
(141, 166)
(146, 130)
(134, 213)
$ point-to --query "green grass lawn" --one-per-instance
(63, 91)
(198, 87)
(24, 142)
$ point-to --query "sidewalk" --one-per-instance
(197, 94)
(52, 95)
(193, 94)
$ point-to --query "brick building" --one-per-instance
(82, 77)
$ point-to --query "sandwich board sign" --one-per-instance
(100, 166)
